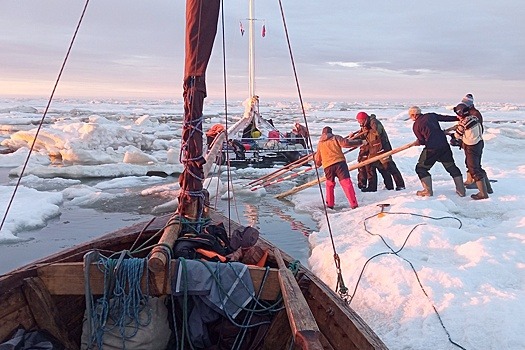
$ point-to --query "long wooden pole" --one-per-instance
(288, 167)
(350, 168)
(291, 176)
(299, 162)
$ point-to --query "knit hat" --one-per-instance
(361, 116)
(327, 130)
(468, 100)
(414, 110)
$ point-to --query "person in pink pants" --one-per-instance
(330, 156)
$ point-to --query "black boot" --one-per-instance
(482, 188)
(372, 181)
(368, 189)
(489, 186)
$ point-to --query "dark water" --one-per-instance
(276, 220)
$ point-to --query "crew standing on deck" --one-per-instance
(301, 133)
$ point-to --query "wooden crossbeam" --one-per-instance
(68, 279)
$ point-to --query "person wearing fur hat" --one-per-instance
(469, 131)
(330, 156)
(378, 143)
(437, 149)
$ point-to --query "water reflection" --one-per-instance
(294, 223)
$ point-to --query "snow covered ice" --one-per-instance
(464, 258)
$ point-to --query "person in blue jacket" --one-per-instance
(437, 149)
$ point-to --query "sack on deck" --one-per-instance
(151, 332)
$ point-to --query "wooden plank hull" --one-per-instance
(49, 294)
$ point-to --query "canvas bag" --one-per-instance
(244, 237)
(213, 239)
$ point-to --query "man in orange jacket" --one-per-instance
(330, 155)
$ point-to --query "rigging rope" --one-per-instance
(44, 114)
(349, 299)
(256, 306)
(340, 288)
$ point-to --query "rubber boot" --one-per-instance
(489, 186)
(361, 178)
(482, 188)
(427, 187)
(348, 189)
(330, 194)
(460, 187)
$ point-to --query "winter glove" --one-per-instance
(456, 142)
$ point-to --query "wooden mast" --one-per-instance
(201, 27)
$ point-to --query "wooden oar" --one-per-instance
(294, 175)
(288, 177)
(288, 167)
(350, 168)
(296, 164)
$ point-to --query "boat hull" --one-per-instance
(49, 294)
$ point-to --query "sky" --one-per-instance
(342, 50)
(469, 256)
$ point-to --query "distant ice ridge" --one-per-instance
(77, 136)
(74, 137)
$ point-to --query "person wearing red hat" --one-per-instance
(330, 156)
(378, 142)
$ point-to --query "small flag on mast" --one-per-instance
(242, 28)
(263, 30)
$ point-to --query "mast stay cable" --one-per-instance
(44, 114)
(340, 287)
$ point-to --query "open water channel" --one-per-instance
(277, 221)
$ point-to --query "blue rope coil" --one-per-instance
(122, 302)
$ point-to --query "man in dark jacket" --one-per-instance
(366, 173)
(378, 143)
(429, 134)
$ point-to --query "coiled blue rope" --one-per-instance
(122, 301)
